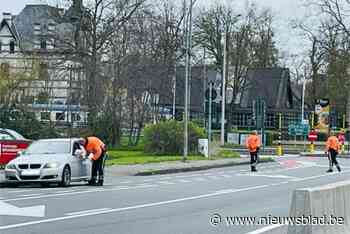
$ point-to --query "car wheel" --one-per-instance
(66, 177)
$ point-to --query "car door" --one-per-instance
(83, 165)
(75, 166)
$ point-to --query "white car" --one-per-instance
(50, 161)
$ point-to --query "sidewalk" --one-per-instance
(176, 167)
(172, 167)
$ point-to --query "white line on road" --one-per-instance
(265, 229)
(214, 194)
(217, 193)
(269, 176)
(21, 191)
(148, 180)
(87, 211)
(184, 181)
(30, 195)
(165, 182)
(199, 179)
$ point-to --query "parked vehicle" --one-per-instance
(11, 142)
(49, 161)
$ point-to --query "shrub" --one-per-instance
(166, 137)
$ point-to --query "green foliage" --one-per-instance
(167, 137)
(25, 123)
(227, 154)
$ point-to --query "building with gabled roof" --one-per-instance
(31, 51)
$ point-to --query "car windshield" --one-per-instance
(49, 147)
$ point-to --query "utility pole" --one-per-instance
(174, 89)
(303, 102)
(187, 76)
(205, 82)
(222, 142)
(209, 119)
(69, 99)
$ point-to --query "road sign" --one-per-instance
(312, 136)
(298, 129)
(259, 111)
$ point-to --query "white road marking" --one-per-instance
(217, 193)
(30, 195)
(21, 191)
(165, 182)
(32, 211)
(87, 211)
(148, 180)
(125, 182)
(166, 178)
(142, 185)
(75, 193)
(184, 181)
(269, 176)
(146, 186)
(199, 179)
(265, 229)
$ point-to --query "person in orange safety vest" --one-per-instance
(253, 145)
(96, 151)
(332, 149)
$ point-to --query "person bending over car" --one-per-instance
(96, 151)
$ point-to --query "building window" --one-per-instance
(27, 99)
(45, 116)
(76, 117)
(43, 44)
(12, 47)
(43, 71)
(60, 116)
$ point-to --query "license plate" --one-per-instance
(30, 172)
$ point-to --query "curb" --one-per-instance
(196, 168)
(324, 156)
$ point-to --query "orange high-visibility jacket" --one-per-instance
(252, 143)
(95, 146)
(332, 143)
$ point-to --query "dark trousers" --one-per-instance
(253, 158)
(97, 167)
(332, 158)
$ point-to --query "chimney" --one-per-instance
(8, 17)
(77, 6)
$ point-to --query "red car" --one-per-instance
(10, 143)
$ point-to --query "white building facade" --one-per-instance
(32, 65)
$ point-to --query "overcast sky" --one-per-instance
(284, 11)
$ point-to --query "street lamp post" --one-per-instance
(303, 102)
(187, 75)
(223, 101)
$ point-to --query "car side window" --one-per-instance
(6, 136)
(78, 147)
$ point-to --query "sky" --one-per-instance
(284, 10)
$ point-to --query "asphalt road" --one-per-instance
(165, 204)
